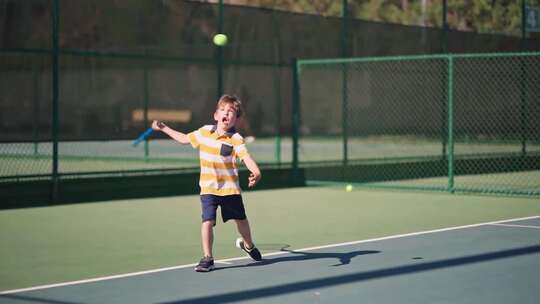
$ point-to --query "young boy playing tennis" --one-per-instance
(219, 146)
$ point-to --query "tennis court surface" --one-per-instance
(321, 245)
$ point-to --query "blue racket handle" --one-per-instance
(143, 136)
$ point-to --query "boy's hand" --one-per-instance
(255, 173)
(253, 179)
(158, 125)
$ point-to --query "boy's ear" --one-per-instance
(215, 115)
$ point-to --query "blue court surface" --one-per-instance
(496, 262)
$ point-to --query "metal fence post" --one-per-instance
(344, 89)
(295, 119)
(450, 98)
(55, 96)
(523, 90)
(145, 106)
(219, 53)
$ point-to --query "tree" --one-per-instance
(484, 16)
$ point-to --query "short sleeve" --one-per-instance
(240, 148)
(194, 138)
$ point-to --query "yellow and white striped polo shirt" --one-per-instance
(218, 154)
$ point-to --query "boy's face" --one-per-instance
(225, 116)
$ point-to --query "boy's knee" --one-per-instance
(209, 223)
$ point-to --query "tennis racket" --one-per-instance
(143, 136)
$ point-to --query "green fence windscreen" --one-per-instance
(120, 66)
(447, 122)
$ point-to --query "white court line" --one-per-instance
(518, 226)
(227, 261)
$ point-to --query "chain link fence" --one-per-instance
(441, 122)
(79, 80)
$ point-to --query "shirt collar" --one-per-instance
(229, 132)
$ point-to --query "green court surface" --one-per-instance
(119, 155)
(106, 156)
(409, 268)
(525, 181)
(52, 245)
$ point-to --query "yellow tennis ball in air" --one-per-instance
(220, 39)
(349, 188)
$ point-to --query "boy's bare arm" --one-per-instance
(255, 174)
(178, 136)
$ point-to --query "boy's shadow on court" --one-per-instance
(343, 258)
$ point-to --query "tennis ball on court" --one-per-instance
(348, 188)
(220, 39)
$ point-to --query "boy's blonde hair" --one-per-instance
(233, 101)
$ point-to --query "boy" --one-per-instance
(219, 146)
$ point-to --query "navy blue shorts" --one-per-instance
(232, 207)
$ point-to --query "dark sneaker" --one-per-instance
(205, 265)
(253, 252)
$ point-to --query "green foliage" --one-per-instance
(484, 16)
(95, 24)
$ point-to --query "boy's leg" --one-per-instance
(233, 208)
(245, 231)
(209, 206)
(207, 237)
(246, 243)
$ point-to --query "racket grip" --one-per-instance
(143, 136)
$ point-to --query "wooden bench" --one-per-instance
(182, 116)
